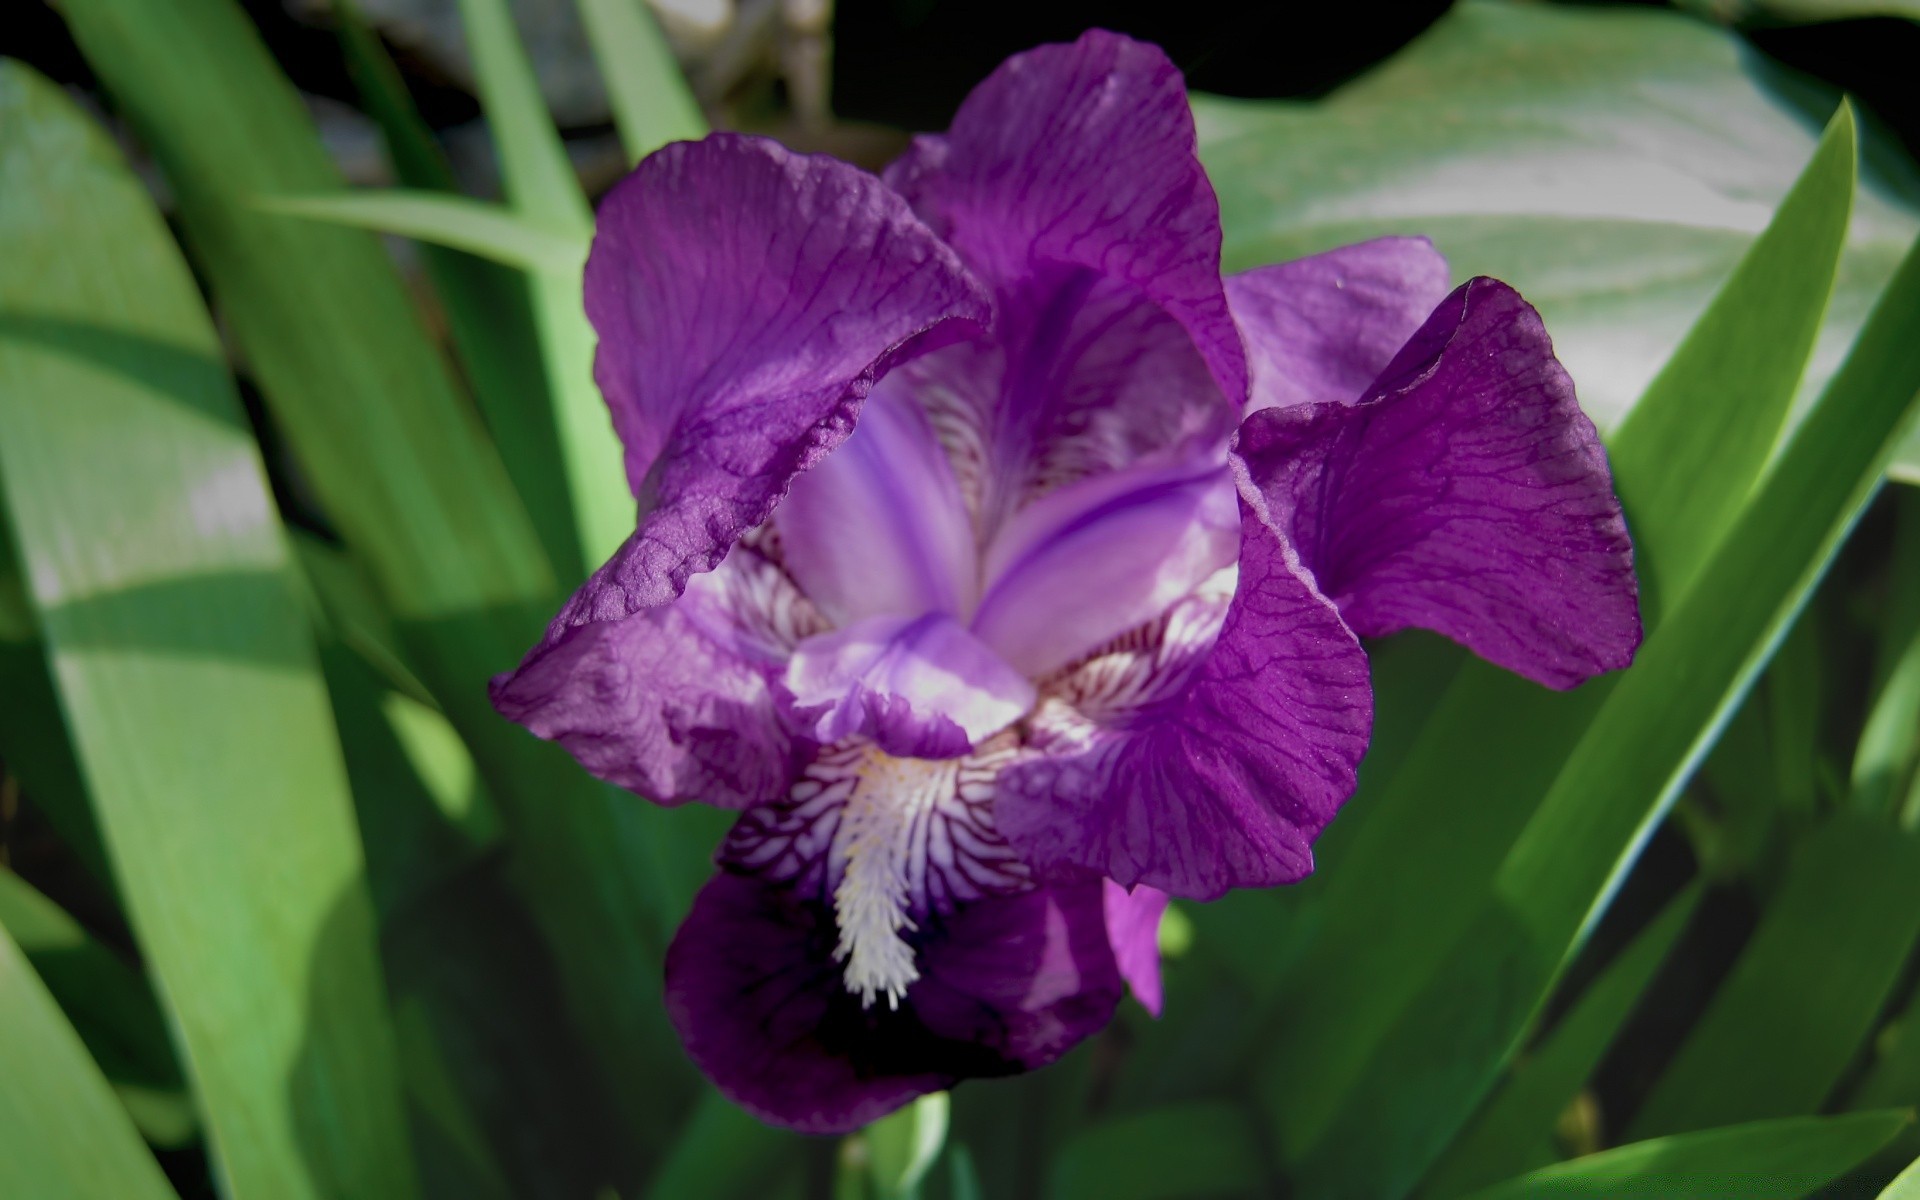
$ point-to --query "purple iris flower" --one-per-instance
(1006, 567)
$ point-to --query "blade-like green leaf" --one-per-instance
(1513, 1133)
(1906, 1187)
(652, 104)
(1889, 747)
(541, 187)
(111, 1006)
(1610, 162)
(1768, 1160)
(1434, 1064)
(182, 657)
(1390, 905)
(488, 311)
(1191, 1150)
(721, 1153)
(63, 1136)
(1803, 997)
(901, 1147)
(444, 219)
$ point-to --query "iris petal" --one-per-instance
(1091, 560)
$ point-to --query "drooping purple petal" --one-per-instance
(1322, 328)
(1133, 927)
(656, 706)
(746, 299)
(1225, 782)
(1091, 560)
(1069, 182)
(1467, 494)
(921, 687)
(1007, 984)
(878, 527)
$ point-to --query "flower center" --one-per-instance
(884, 818)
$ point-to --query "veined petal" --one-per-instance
(1467, 494)
(1007, 984)
(1091, 560)
(878, 527)
(921, 687)
(1070, 184)
(746, 299)
(1133, 927)
(1226, 781)
(1322, 328)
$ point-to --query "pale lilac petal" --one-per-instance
(746, 299)
(656, 706)
(1226, 782)
(1467, 494)
(1007, 985)
(1091, 560)
(878, 527)
(1322, 328)
(1133, 927)
(921, 687)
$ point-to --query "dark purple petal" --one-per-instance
(878, 527)
(1322, 328)
(1467, 494)
(746, 299)
(1089, 561)
(1225, 782)
(1007, 984)
(921, 687)
(1069, 182)
(1133, 927)
(655, 705)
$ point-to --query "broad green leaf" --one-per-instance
(416, 491)
(1767, 1160)
(541, 187)
(181, 654)
(63, 1136)
(1514, 1131)
(111, 1005)
(1907, 1186)
(1889, 747)
(1390, 906)
(902, 1145)
(1809, 984)
(1610, 162)
(652, 104)
(1192, 1150)
(458, 222)
(1438, 1057)
(721, 1153)
(488, 312)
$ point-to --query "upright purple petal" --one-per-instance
(921, 687)
(1007, 984)
(878, 527)
(1091, 560)
(1225, 782)
(1133, 927)
(1322, 328)
(1467, 494)
(746, 299)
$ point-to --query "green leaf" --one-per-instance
(1611, 163)
(443, 219)
(111, 1006)
(1907, 1186)
(1189, 1150)
(181, 653)
(721, 1153)
(1390, 907)
(902, 1145)
(541, 187)
(652, 104)
(1889, 747)
(63, 1136)
(1513, 1132)
(1768, 1160)
(1803, 996)
(1657, 722)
